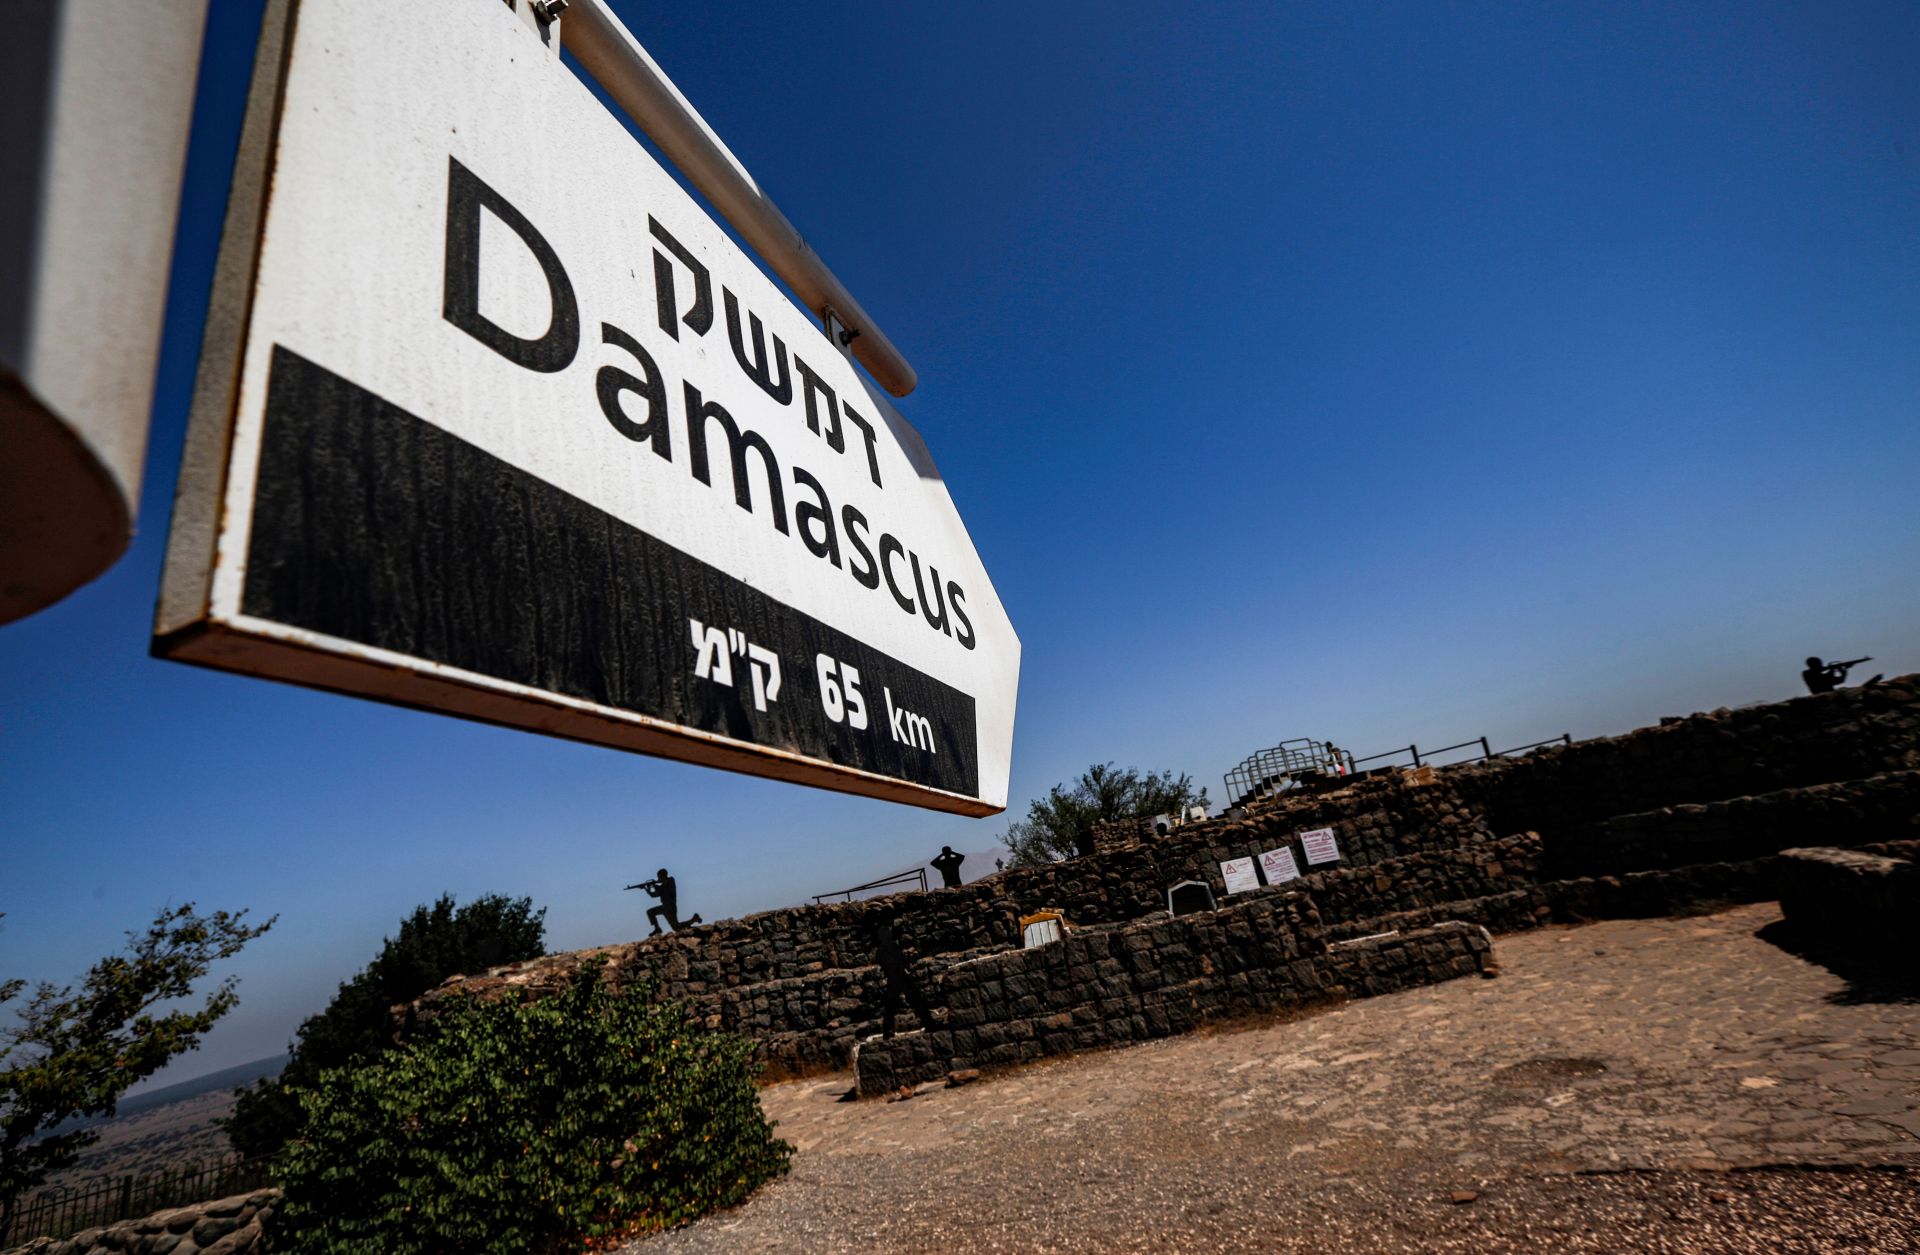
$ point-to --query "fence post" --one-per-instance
(1415, 750)
(1486, 751)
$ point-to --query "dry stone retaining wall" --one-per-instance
(225, 1226)
(1663, 820)
(1153, 979)
(1863, 908)
(1846, 735)
(1852, 812)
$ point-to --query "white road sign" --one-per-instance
(493, 419)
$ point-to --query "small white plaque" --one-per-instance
(1239, 875)
(1279, 865)
(1320, 846)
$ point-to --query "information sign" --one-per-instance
(1239, 875)
(1278, 865)
(494, 420)
(1319, 845)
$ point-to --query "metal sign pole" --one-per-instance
(639, 86)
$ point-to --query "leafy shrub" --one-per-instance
(1057, 825)
(433, 943)
(522, 1125)
(72, 1052)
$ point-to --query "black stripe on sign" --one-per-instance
(375, 526)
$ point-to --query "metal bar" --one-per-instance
(1416, 754)
(609, 52)
(1565, 738)
(1388, 754)
(919, 874)
(1486, 751)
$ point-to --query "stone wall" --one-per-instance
(1420, 881)
(1114, 835)
(225, 1226)
(1107, 987)
(1677, 818)
(1378, 821)
(1847, 813)
(1858, 908)
(1377, 817)
(1846, 735)
(811, 1023)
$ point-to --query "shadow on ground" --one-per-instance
(1870, 978)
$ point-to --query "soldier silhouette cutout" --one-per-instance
(1825, 677)
(948, 865)
(900, 982)
(663, 888)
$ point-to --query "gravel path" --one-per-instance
(1634, 1085)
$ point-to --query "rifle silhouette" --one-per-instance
(651, 886)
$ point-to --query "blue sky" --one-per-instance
(1381, 373)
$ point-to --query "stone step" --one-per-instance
(1151, 1001)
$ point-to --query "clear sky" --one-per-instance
(1381, 373)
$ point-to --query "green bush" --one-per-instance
(433, 943)
(523, 1125)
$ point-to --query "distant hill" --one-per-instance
(226, 1078)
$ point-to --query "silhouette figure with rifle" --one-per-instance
(663, 888)
(1824, 677)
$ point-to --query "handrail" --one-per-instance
(918, 873)
(1481, 741)
(1565, 738)
(609, 52)
(1486, 750)
(1405, 749)
(1245, 780)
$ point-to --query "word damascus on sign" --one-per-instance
(493, 419)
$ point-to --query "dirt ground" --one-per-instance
(1647, 1085)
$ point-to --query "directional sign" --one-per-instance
(494, 420)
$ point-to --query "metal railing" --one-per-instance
(918, 874)
(1423, 757)
(1486, 751)
(1303, 762)
(1565, 738)
(1282, 767)
(61, 1213)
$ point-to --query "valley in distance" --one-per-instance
(163, 1128)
